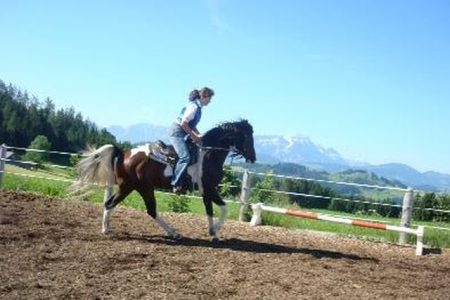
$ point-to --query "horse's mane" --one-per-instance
(226, 130)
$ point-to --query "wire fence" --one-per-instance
(42, 151)
(257, 174)
(340, 198)
(59, 178)
(333, 182)
(72, 181)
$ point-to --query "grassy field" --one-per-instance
(37, 181)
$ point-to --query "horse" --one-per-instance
(138, 170)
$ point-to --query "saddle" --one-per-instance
(166, 154)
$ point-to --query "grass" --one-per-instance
(19, 179)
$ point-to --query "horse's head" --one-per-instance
(244, 143)
(240, 135)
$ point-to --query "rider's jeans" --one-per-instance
(177, 137)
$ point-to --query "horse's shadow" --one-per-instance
(239, 245)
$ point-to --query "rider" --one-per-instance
(184, 127)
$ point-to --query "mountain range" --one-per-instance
(273, 149)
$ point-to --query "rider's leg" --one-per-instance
(182, 150)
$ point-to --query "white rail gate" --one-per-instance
(258, 208)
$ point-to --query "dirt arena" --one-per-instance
(53, 249)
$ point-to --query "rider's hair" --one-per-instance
(206, 91)
(194, 95)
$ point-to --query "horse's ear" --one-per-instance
(245, 124)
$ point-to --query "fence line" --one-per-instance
(72, 181)
(406, 208)
(348, 200)
(239, 171)
(198, 197)
(40, 150)
(25, 162)
(333, 182)
(327, 197)
(42, 177)
(261, 189)
(338, 198)
(3, 160)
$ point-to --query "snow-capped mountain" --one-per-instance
(298, 149)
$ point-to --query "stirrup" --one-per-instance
(177, 190)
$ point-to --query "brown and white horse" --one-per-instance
(134, 170)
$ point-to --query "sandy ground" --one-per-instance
(53, 249)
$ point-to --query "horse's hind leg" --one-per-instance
(110, 203)
(150, 204)
(106, 213)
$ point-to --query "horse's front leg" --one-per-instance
(209, 197)
(169, 229)
(215, 227)
(150, 203)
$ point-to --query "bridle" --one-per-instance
(233, 149)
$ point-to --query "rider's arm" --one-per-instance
(186, 118)
(196, 131)
(194, 134)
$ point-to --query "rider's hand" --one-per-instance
(196, 138)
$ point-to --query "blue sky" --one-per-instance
(370, 79)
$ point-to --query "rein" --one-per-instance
(233, 149)
(215, 148)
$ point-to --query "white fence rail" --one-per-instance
(406, 207)
(259, 208)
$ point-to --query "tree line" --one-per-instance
(24, 118)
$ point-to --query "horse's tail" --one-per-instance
(97, 167)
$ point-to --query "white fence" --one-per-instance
(406, 207)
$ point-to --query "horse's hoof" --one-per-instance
(107, 231)
(214, 239)
(177, 237)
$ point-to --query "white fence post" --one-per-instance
(245, 195)
(2, 163)
(408, 200)
(256, 218)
